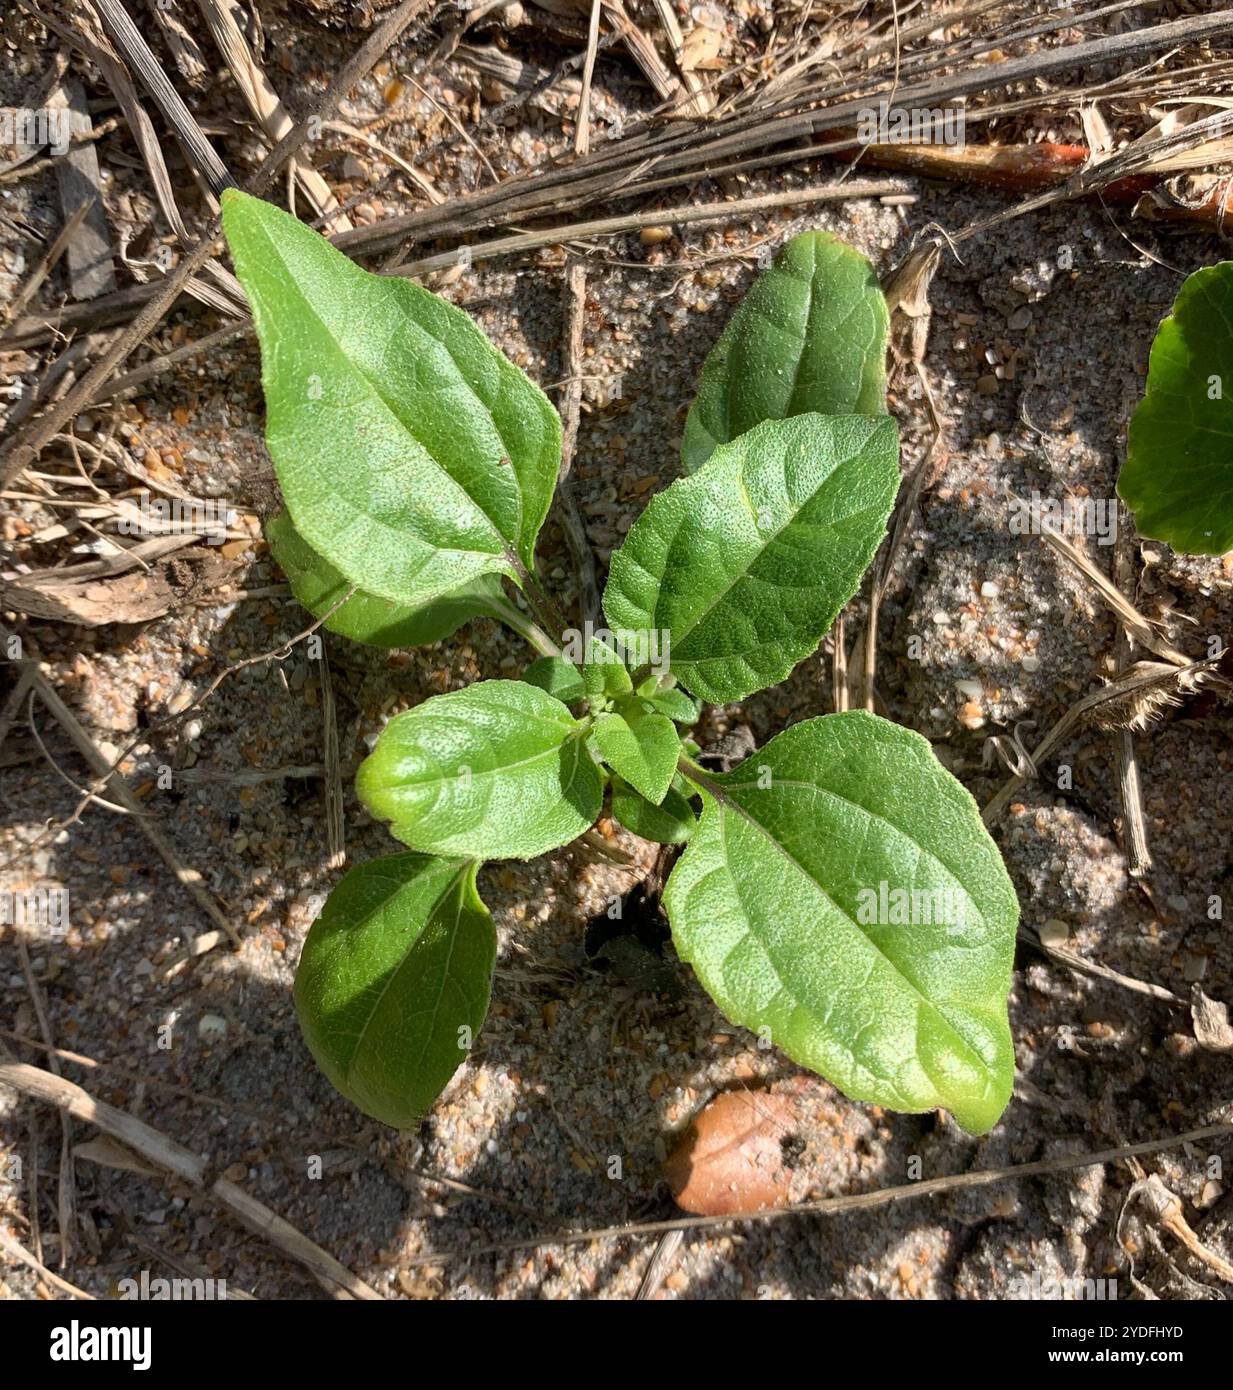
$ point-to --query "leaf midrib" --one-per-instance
(394, 974)
(705, 613)
(574, 736)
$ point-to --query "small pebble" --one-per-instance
(971, 716)
(1054, 932)
(1211, 1194)
(211, 1028)
(1194, 967)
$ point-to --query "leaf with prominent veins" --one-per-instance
(413, 456)
(841, 894)
(394, 981)
(745, 563)
(500, 770)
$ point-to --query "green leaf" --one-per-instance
(644, 750)
(670, 823)
(604, 673)
(412, 455)
(500, 770)
(771, 905)
(746, 563)
(365, 617)
(394, 982)
(558, 677)
(1178, 475)
(678, 706)
(810, 336)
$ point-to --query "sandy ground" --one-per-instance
(575, 1068)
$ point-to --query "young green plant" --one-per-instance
(837, 892)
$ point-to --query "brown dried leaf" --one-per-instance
(110, 1153)
(701, 49)
(1212, 1029)
(132, 598)
(731, 1158)
(135, 597)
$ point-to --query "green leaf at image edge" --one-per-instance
(394, 982)
(810, 336)
(365, 617)
(500, 770)
(412, 455)
(1178, 475)
(770, 903)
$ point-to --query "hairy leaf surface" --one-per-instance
(412, 455)
(603, 672)
(644, 749)
(365, 617)
(672, 822)
(746, 563)
(558, 677)
(809, 336)
(679, 707)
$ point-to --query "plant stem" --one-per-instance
(525, 627)
(545, 610)
(694, 772)
(543, 605)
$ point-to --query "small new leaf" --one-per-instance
(841, 894)
(604, 674)
(746, 563)
(678, 706)
(394, 982)
(809, 336)
(643, 749)
(500, 770)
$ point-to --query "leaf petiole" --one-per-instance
(541, 604)
(513, 618)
